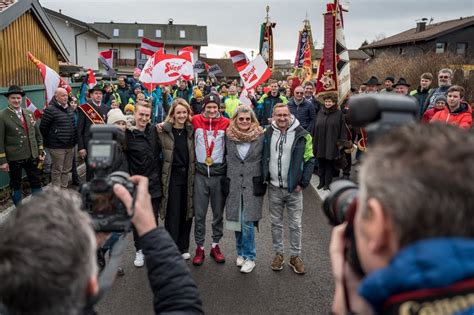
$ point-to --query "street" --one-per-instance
(224, 290)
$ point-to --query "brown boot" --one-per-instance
(297, 264)
(277, 263)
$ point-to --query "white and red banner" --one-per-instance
(149, 47)
(239, 59)
(91, 80)
(187, 51)
(32, 108)
(51, 79)
(244, 98)
(106, 59)
(200, 67)
(255, 73)
(167, 69)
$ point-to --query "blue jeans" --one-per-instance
(246, 241)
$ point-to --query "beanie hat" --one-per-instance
(441, 98)
(211, 98)
(390, 78)
(137, 86)
(197, 93)
(115, 115)
(129, 107)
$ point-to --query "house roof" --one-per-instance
(225, 64)
(354, 54)
(431, 31)
(11, 10)
(195, 35)
(78, 23)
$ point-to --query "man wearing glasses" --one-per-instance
(444, 83)
(302, 109)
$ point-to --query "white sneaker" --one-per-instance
(186, 256)
(239, 262)
(248, 266)
(139, 259)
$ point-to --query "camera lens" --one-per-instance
(341, 204)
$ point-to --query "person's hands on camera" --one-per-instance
(143, 219)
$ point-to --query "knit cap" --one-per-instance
(115, 115)
(211, 98)
(129, 107)
(441, 98)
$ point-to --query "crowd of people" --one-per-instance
(199, 145)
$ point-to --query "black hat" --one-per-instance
(390, 78)
(373, 81)
(402, 81)
(97, 87)
(211, 98)
(15, 89)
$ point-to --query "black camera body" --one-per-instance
(108, 213)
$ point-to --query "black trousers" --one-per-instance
(347, 170)
(155, 203)
(31, 169)
(176, 210)
(326, 171)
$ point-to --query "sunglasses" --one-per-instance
(443, 76)
(299, 93)
(245, 119)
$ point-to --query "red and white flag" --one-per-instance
(91, 80)
(244, 98)
(255, 73)
(167, 69)
(188, 51)
(149, 47)
(51, 79)
(106, 59)
(32, 108)
(239, 59)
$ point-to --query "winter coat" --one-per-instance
(304, 112)
(231, 104)
(124, 93)
(301, 161)
(433, 95)
(420, 95)
(84, 125)
(206, 125)
(167, 146)
(160, 105)
(242, 174)
(196, 106)
(329, 128)
(15, 142)
(461, 117)
(58, 127)
(174, 289)
(265, 107)
(186, 94)
(144, 156)
(428, 115)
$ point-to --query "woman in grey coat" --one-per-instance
(244, 145)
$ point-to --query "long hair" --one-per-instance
(176, 102)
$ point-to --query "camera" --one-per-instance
(108, 213)
(378, 114)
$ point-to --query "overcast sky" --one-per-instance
(236, 24)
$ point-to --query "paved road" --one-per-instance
(224, 290)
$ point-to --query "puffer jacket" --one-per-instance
(143, 152)
(167, 144)
(58, 127)
(265, 107)
(461, 117)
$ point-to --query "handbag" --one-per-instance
(259, 187)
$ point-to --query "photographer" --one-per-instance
(413, 227)
(35, 281)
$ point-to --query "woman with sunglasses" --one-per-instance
(244, 145)
(177, 142)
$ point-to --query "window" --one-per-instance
(182, 34)
(461, 48)
(157, 33)
(116, 32)
(440, 48)
(140, 33)
(115, 54)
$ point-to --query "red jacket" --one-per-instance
(428, 115)
(461, 117)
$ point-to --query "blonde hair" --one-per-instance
(244, 109)
(178, 101)
(146, 104)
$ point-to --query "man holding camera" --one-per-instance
(413, 227)
(35, 281)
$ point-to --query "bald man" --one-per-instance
(60, 136)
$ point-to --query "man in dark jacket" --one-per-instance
(92, 113)
(59, 133)
(143, 153)
(302, 109)
(288, 163)
(184, 91)
(413, 227)
(421, 93)
(64, 286)
(445, 77)
(267, 102)
(123, 91)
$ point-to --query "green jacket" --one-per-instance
(15, 143)
(231, 104)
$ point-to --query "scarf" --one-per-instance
(234, 133)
